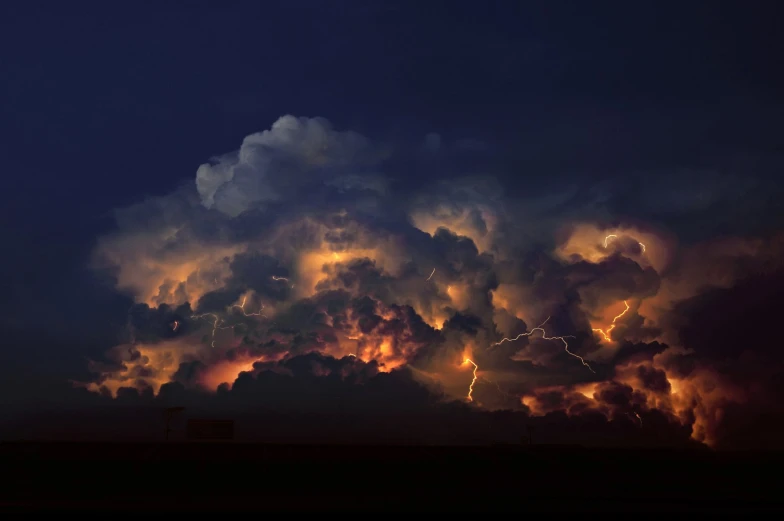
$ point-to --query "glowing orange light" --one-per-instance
(612, 235)
(606, 334)
(545, 337)
(226, 372)
(470, 397)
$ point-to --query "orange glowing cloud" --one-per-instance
(711, 264)
(591, 243)
(154, 272)
(697, 400)
(605, 333)
(143, 365)
(478, 222)
(459, 295)
(390, 349)
(520, 301)
(224, 371)
(227, 371)
(311, 248)
(369, 277)
(311, 266)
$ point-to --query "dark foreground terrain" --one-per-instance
(151, 478)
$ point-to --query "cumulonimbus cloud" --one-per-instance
(298, 246)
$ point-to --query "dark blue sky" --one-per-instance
(102, 103)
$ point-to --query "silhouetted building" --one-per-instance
(210, 430)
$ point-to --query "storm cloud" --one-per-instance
(294, 275)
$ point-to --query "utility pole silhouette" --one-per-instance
(170, 412)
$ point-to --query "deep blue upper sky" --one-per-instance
(102, 103)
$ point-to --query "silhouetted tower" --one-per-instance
(170, 412)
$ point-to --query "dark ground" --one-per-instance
(232, 476)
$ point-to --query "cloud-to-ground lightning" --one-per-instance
(470, 396)
(545, 337)
(431, 275)
(606, 334)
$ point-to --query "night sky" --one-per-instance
(362, 197)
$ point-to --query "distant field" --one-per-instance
(235, 476)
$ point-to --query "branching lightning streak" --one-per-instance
(545, 337)
(241, 307)
(431, 275)
(219, 321)
(497, 386)
(470, 397)
(215, 325)
(606, 334)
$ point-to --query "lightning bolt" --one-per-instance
(274, 277)
(218, 321)
(545, 337)
(175, 325)
(497, 386)
(606, 334)
(215, 325)
(431, 275)
(613, 236)
(241, 307)
(470, 397)
(639, 418)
